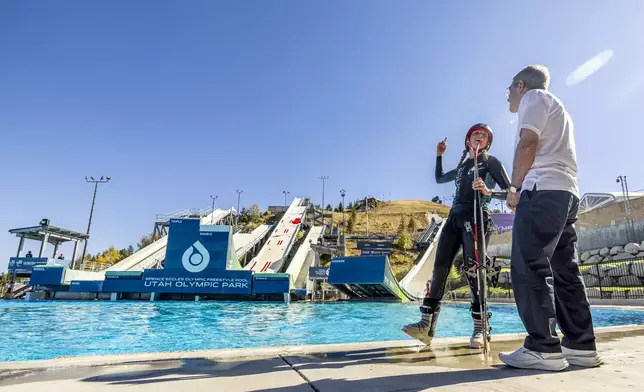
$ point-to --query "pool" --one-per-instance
(45, 330)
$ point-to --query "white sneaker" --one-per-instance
(523, 358)
(583, 358)
(476, 341)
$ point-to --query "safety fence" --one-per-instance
(615, 279)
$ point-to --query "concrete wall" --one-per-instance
(589, 238)
(601, 237)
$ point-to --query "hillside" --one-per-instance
(385, 219)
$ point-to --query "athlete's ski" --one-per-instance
(480, 255)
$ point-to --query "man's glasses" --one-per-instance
(507, 89)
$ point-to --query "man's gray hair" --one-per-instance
(534, 77)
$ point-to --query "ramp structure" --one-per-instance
(271, 257)
(371, 277)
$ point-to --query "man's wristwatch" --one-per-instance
(514, 189)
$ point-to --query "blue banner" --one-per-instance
(271, 283)
(318, 272)
(194, 248)
(375, 252)
(180, 281)
(503, 222)
(358, 269)
(86, 286)
(374, 245)
(47, 276)
(26, 263)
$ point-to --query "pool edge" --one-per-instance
(262, 352)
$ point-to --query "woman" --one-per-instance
(458, 232)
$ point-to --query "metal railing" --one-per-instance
(622, 279)
(616, 279)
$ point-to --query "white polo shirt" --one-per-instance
(555, 162)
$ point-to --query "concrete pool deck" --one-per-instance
(378, 366)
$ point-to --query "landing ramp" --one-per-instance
(366, 277)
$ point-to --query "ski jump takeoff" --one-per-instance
(468, 226)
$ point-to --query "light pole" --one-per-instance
(102, 180)
(627, 208)
(239, 192)
(366, 209)
(285, 195)
(343, 193)
(323, 178)
(212, 213)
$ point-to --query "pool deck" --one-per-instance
(380, 366)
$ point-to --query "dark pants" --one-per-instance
(457, 233)
(548, 287)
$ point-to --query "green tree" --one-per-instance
(404, 241)
(329, 207)
(454, 278)
(412, 225)
(340, 207)
(255, 212)
(146, 240)
(402, 226)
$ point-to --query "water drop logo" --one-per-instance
(197, 260)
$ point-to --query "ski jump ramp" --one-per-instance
(371, 277)
(298, 269)
(272, 256)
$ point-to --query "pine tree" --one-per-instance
(412, 225)
(352, 221)
(402, 226)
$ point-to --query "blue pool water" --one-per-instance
(44, 330)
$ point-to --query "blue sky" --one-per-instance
(180, 100)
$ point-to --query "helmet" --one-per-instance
(478, 127)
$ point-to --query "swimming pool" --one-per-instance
(44, 330)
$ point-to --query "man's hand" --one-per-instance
(513, 201)
(479, 185)
(441, 147)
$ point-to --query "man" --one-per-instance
(548, 287)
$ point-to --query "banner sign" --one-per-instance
(178, 281)
(319, 272)
(195, 248)
(26, 263)
(375, 252)
(374, 245)
(503, 222)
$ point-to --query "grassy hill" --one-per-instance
(386, 218)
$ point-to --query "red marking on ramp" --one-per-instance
(254, 264)
(268, 263)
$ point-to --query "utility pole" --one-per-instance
(627, 208)
(91, 180)
(285, 195)
(212, 213)
(323, 178)
(239, 192)
(344, 227)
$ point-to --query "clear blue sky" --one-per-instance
(177, 100)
